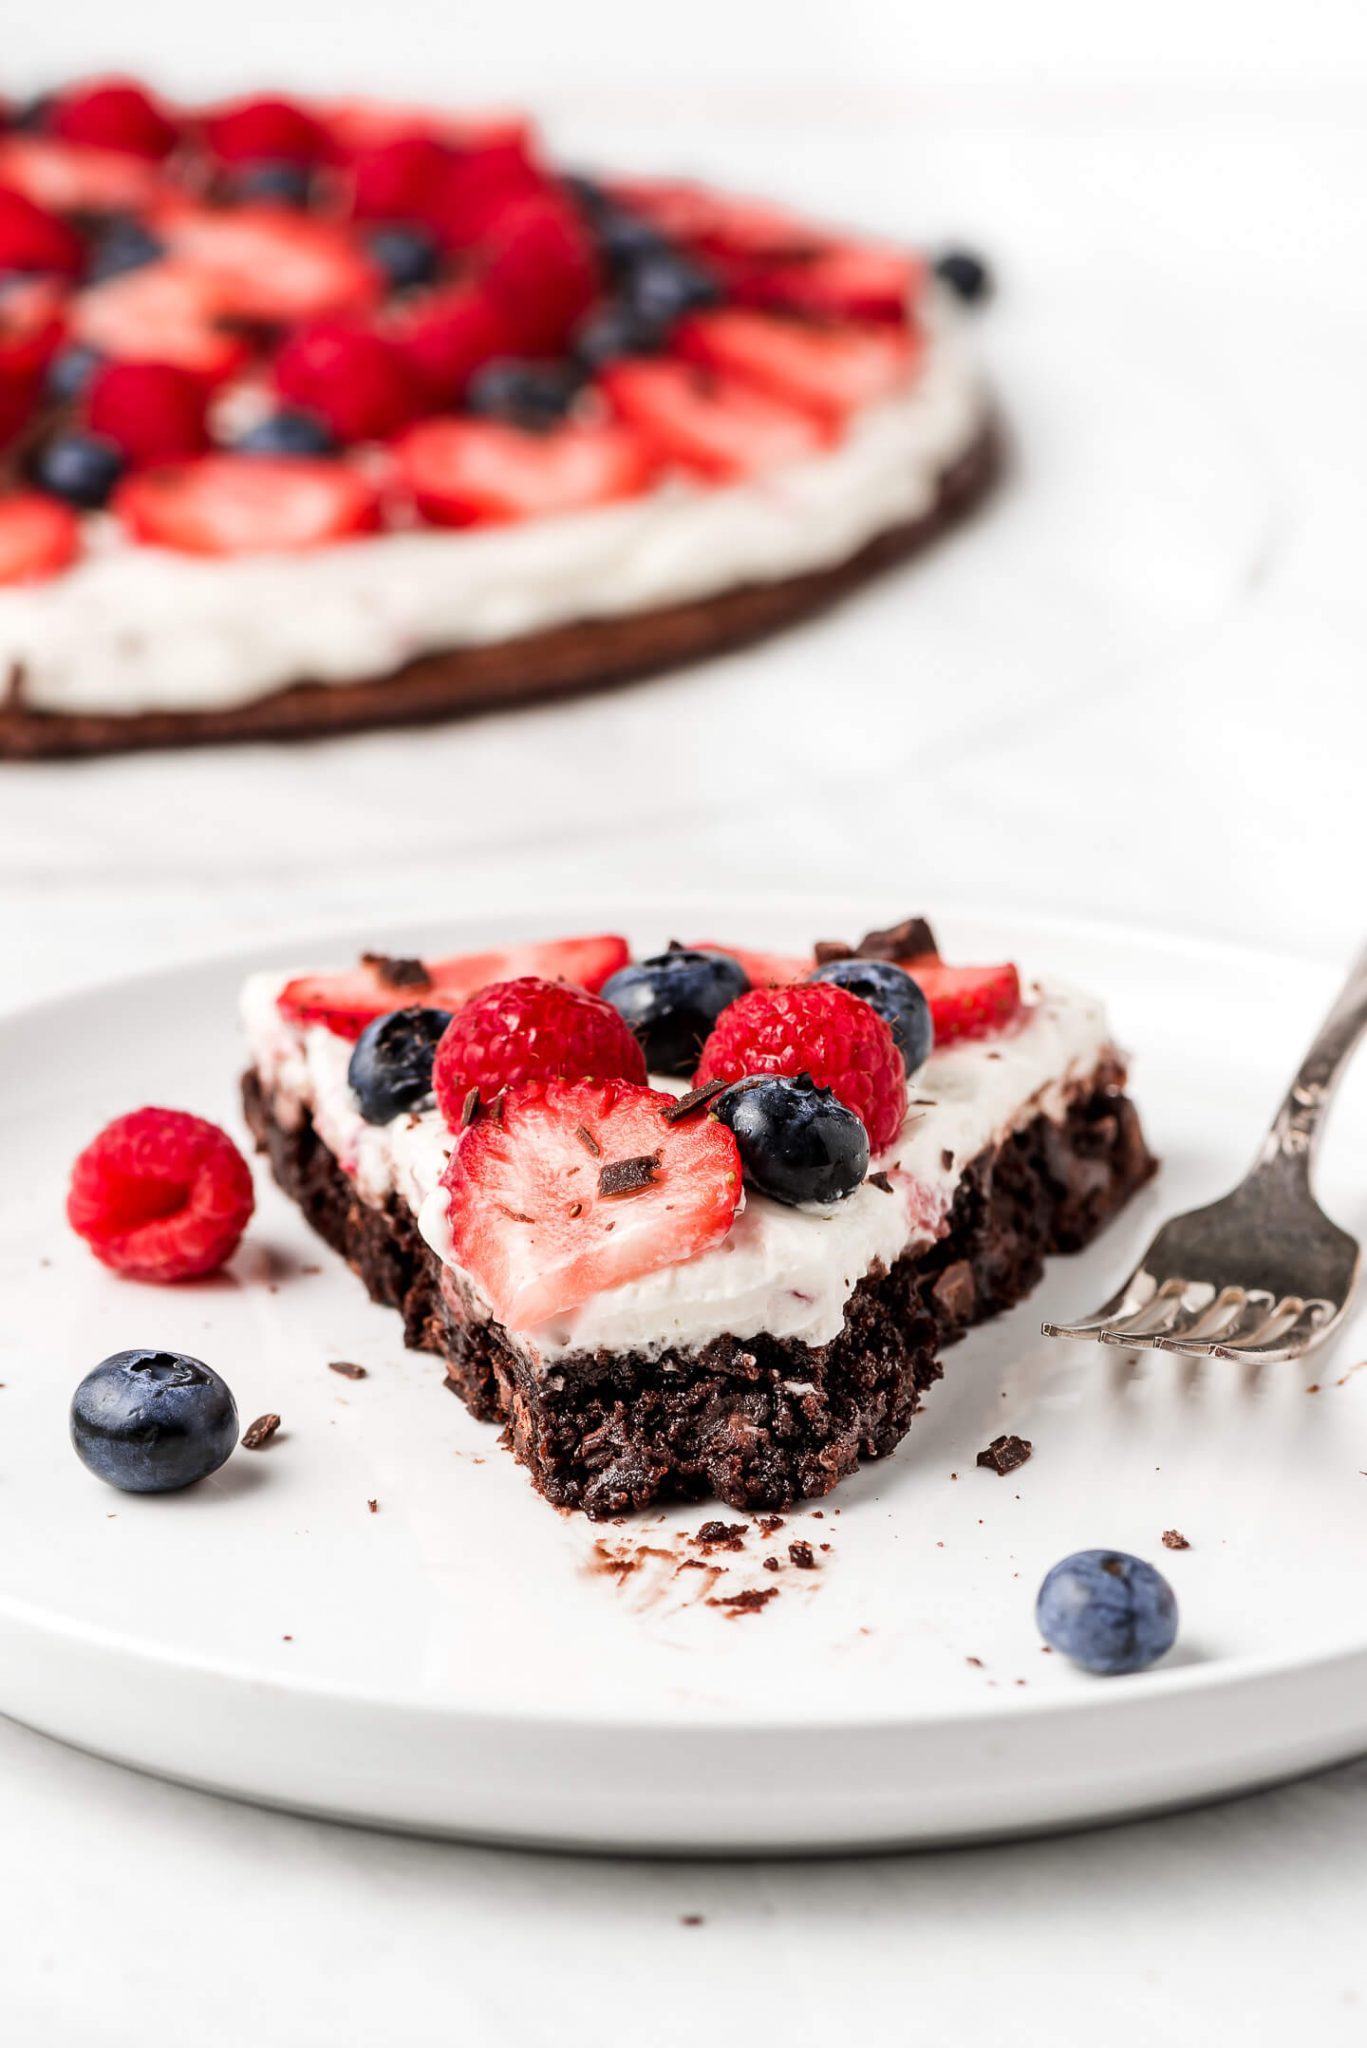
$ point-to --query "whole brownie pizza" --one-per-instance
(324, 415)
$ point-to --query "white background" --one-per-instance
(1135, 691)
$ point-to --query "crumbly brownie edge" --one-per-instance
(559, 662)
(769, 1421)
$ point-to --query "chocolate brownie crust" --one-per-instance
(560, 662)
(767, 1421)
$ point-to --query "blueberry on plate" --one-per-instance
(966, 275)
(70, 371)
(797, 1142)
(1108, 1611)
(890, 991)
(672, 1000)
(124, 245)
(82, 468)
(407, 255)
(276, 180)
(536, 395)
(286, 433)
(152, 1421)
(391, 1064)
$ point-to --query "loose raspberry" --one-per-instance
(526, 1030)
(264, 129)
(578, 1186)
(814, 1029)
(161, 1195)
(33, 239)
(117, 114)
(350, 376)
(154, 412)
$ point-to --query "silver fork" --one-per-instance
(1262, 1274)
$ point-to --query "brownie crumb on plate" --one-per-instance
(1005, 1454)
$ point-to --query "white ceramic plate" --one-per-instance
(468, 1661)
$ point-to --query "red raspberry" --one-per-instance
(33, 239)
(161, 1195)
(115, 113)
(154, 412)
(402, 179)
(815, 1029)
(265, 128)
(527, 1029)
(350, 376)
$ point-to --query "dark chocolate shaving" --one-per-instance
(629, 1176)
(905, 941)
(880, 1180)
(947, 1161)
(347, 1368)
(260, 1432)
(1005, 1453)
(397, 973)
(469, 1109)
(696, 1099)
(826, 950)
(588, 1141)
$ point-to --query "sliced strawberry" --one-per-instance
(966, 1002)
(472, 472)
(446, 336)
(351, 376)
(533, 1215)
(270, 262)
(763, 970)
(154, 412)
(246, 504)
(38, 537)
(827, 371)
(356, 126)
(114, 114)
(346, 1003)
(481, 185)
(264, 129)
(67, 177)
(844, 281)
(31, 329)
(31, 238)
(542, 272)
(710, 423)
(716, 222)
(164, 313)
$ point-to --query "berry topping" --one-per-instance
(446, 336)
(356, 380)
(154, 412)
(530, 1029)
(612, 331)
(32, 239)
(246, 504)
(163, 313)
(124, 245)
(345, 1003)
(821, 1031)
(116, 114)
(277, 182)
(843, 281)
(527, 394)
(69, 178)
(69, 373)
(401, 179)
(286, 433)
(38, 537)
(829, 371)
(672, 1001)
(264, 129)
(578, 1186)
(487, 179)
(1109, 1612)
(465, 472)
(712, 424)
(408, 256)
(797, 1143)
(152, 1421)
(542, 273)
(661, 286)
(391, 1067)
(966, 275)
(161, 1195)
(967, 1002)
(270, 263)
(763, 970)
(81, 468)
(899, 1001)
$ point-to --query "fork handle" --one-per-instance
(1293, 1139)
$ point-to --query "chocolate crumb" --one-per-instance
(469, 1109)
(690, 1920)
(309, 1271)
(880, 1180)
(397, 973)
(956, 1292)
(908, 940)
(588, 1141)
(347, 1368)
(801, 1555)
(260, 1432)
(726, 1535)
(513, 1215)
(1005, 1453)
(695, 1100)
(1173, 1539)
(946, 1161)
(628, 1176)
(976, 1662)
(747, 1602)
(374, 1506)
(769, 1525)
(826, 950)
(771, 1564)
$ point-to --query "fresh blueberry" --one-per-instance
(70, 371)
(391, 1066)
(528, 394)
(797, 1143)
(125, 245)
(286, 433)
(967, 276)
(275, 180)
(895, 996)
(406, 255)
(82, 468)
(615, 330)
(626, 240)
(1108, 1611)
(152, 1421)
(664, 286)
(672, 1000)
(587, 194)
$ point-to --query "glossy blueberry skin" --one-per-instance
(274, 180)
(81, 468)
(391, 1064)
(664, 286)
(152, 1421)
(626, 240)
(1107, 1611)
(407, 256)
(671, 1002)
(286, 433)
(526, 394)
(70, 371)
(125, 245)
(966, 275)
(898, 1000)
(797, 1142)
(616, 330)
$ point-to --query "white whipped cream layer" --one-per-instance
(134, 628)
(785, 1271)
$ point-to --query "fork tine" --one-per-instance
(1280, 1339)
(1137, 1292)
(1160, 1313)
(1250, 1319)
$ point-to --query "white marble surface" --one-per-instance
(1134, 690)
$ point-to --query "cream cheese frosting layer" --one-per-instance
(133, 629)
(785, 1271)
